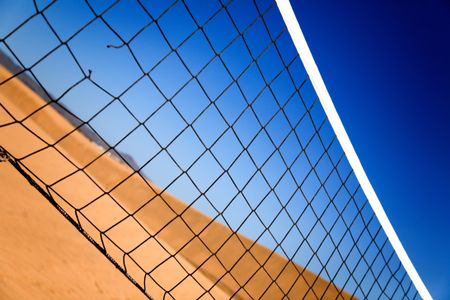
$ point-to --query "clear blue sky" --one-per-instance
(387, 67)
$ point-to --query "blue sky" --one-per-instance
(386, 65)
(386, 68)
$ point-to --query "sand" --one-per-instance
(42, 256)
(172, 250)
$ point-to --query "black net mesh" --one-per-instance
(185, 140)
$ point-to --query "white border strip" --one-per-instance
(325, 99)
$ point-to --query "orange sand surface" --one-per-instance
(172, 249)
(42, 256)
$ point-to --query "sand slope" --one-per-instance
(173, 250)
(42, 256)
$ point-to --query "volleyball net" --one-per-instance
(192, 144)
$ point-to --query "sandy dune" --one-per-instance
(172, 250)
(42, 256)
